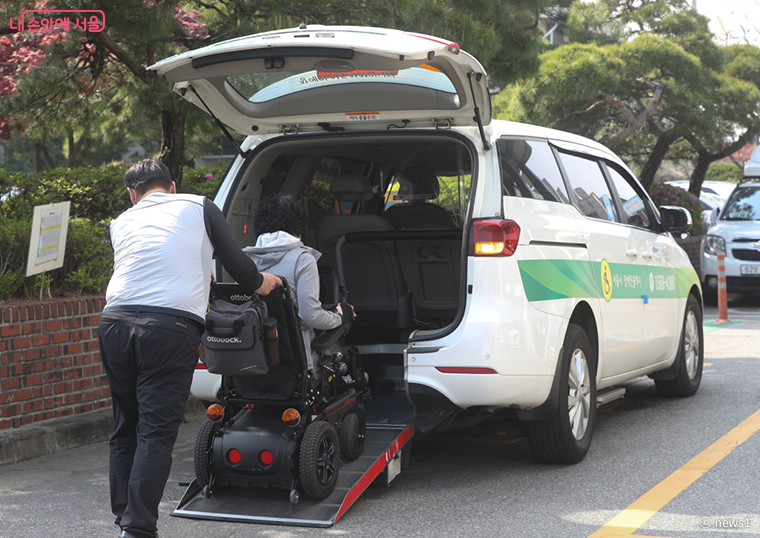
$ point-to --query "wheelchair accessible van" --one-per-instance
(287, 428)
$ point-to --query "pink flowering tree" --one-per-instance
(93, 86)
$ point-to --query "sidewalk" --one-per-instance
(50, 436)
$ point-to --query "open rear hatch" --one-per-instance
(332, 78)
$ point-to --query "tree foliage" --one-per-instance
(93, 89)
(642, 76)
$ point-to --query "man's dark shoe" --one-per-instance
(125, 534)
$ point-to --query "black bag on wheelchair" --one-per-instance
(234, 338)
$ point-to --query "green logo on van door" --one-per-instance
(544, 280)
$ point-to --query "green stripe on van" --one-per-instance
(545, 280)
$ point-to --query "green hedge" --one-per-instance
(724, 172)
(97, 195)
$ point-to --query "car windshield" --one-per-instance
(744, 204)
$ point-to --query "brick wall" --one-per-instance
(49, 360)
(691, 246)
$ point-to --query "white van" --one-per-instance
(492, 265)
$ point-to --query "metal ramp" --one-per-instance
(382, 448)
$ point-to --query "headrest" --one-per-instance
(351, 188)
(421, 183)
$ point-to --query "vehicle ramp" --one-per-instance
(382, 450)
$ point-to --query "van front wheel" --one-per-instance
(566, 437)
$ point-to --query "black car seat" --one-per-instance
(372, 277)
(418, 184)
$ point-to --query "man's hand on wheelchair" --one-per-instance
(269, 283)
(347, 312)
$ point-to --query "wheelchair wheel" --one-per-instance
(352, 436)
(319, 459)
(202, 455)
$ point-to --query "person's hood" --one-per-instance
(271, 247)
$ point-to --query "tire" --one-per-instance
(352, 433)
(690, 356)
(566, 437)
(202, 455)
(319, 459)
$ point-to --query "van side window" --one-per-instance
(633, 202)
(592, 194)
(529, 170)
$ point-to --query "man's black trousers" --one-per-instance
(149, 359)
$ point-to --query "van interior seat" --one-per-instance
(418, 185)
(373, 281)
(430, 259)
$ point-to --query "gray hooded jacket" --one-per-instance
(286, 256)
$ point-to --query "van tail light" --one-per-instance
(496, 237)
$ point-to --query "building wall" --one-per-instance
(49, 361)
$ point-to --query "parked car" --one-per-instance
(713, 196)
(752, 166)
(512, 267)
(736, 234)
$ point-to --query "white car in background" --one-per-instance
(713, 196)
(736, 233)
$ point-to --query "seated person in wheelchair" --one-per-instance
(279, 223)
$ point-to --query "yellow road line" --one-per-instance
(632, 518)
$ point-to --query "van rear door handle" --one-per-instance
(631, 253)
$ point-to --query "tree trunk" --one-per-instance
(45, 155)
(655, 159)
(74, 148)
(173, 142)
(704, 160)
(37, 159)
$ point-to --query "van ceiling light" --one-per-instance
(335, 65)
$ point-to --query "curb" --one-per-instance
(51, 436)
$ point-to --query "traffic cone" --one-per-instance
(722, 297)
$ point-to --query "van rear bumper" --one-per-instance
(436, 395)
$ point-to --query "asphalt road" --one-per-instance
(484, 482)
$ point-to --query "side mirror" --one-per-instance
(675, 219)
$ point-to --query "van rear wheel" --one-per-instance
(566, 437)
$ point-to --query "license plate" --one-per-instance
(750, 269)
